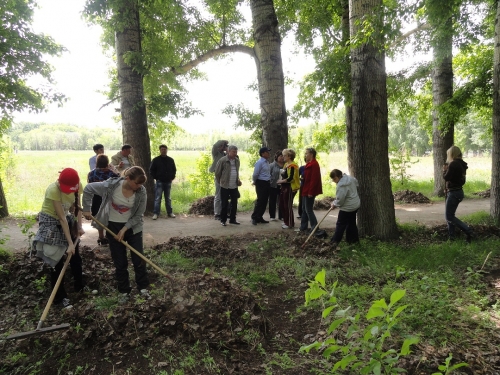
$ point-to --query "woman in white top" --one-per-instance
(122, 210)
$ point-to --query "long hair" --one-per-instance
(453, 153)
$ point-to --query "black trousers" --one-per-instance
(76, 269)
(262, 189)
(119, 255)
(346, 222)
(225, 195)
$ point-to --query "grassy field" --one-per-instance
(34, 170)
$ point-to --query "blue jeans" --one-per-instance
(217, 200)
(162, 188)
(308, 215)
(453, 198)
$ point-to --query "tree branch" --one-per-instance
(421, 27)
(108, 103)
(183, 69)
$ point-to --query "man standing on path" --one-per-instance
(311, 187)
(123, 160)
(227, 175)
(163, 170)
(262, 180)
(98, 149)
(219, 150)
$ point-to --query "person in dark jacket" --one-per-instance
(454, 172)
(163, 170)
(100, 173)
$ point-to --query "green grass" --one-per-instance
(35, 170)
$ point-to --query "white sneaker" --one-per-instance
(272, 219)
(145, 294)
(284, 226)
(171, 215)
(155, 216)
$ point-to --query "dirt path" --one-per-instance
(160, 231)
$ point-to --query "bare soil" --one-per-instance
(202, 316)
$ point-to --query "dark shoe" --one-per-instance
(234, 222)
(299, 217)
(217, 217)
(470, 237)
(223, 223)
(262, 221)
(320, 233)
(103, 241)
(254, 222)
(334, 245)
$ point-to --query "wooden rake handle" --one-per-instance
(134, 250)
(316, 227)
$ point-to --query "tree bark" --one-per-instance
(442, 91)
(495, 157)
(4, 210)
(348, 87)
(269, 74)
(130, 80)
(376, 216)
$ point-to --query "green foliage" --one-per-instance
(446, 369)
(249, 121)
(40, 283)
(21, 57)
(7, 164)
(202, 180)
(362, 347)
(400, 163)
(41, 136)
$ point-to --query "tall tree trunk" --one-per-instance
(269, 74)
(442, 91)
(133, 106)
(370, 131)
(347, 88)
(4, 210)
(495, 159)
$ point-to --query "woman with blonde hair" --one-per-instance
(454, 172)
(122, 210)
(290, 184)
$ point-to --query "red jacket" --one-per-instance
(312, 179)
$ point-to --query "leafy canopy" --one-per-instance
(22, 55)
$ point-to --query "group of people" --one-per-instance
(115, 197)
(280, 181)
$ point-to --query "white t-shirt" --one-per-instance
(120, 206)
(126, 163)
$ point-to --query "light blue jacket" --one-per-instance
(105, 189)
